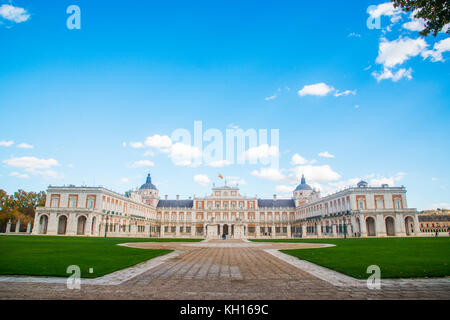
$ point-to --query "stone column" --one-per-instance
(348, 227)
(193, 230)
(71, 225)
(35, 229)
(177, 230)
(400, 225)
(29, 227)
(273, 231)
(333, 228)
(380, 226)
(88, 227)
(17, 227)
(319, 230)
(362, 221)
(162, 230)
(289, 230)
(303, 231)
(258, 230)
(52, 227)
(416, 225)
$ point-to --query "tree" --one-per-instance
(436, 13)
(20, 206)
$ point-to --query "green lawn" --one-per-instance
(50, 256)
(396, 257)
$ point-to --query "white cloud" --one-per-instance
(441, 205)
(322, 89)
(434, 179)
(318, 89)
(344, 93)
(149, 153)
(339, 185)
(218, 164)
(31, 162)
(136, 145)
(6, 143)
(356, 106)
(183, 154)
(269, 174)
(396, 52)
(438, 49)
(263, 151)
(235, 180)
(395, 76)
(141, 164)
(19, 175)
(385, 9)
(47, 173)
(25, 146)
(14, 14)
(273, 97)
(415, 24)
(124, 180)
(391, 181)
(158, 141)
(202, 179)
(284, 189)
(353, 34)
(326, 154)
(124, 144)
(316, 173)
(298, 160)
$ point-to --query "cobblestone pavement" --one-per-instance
(239, 271)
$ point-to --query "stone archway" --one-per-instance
(81, 225)
(62, 224)
(370, 226)
(43, 224)
(225, 229)
(409, 225)
(390, 226)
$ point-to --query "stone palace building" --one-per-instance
(360, 211)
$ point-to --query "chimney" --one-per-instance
(274, 197)
(178, 197)
(165, 197)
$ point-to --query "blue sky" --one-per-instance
(77, 106)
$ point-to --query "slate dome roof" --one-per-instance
(303, 185)
(148, 184)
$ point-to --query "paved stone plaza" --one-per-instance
(223, 270)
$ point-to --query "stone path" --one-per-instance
(227, 270)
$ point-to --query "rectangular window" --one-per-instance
(90, 202)
(73, 201)
(55, 202)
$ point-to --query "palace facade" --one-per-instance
(360, 211)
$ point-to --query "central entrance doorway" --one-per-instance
(225, 229)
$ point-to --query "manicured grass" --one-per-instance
(396, 257)
(50, 256)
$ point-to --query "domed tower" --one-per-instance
(149, 192)
(303, 192)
